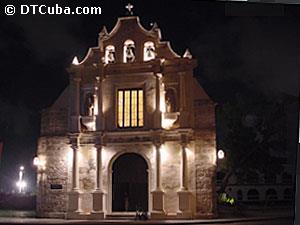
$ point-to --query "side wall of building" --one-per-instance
(205, 158)
(53, 180)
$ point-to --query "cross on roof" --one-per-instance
(129, 8)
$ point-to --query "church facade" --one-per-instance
(133, 130)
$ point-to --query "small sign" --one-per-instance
(56, 186)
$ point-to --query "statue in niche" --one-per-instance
(130, 57)
(111, 56)
(90, 105)
(168, 105)
(170, 101)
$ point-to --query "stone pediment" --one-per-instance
(128, 27)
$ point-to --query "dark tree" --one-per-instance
(253, 135)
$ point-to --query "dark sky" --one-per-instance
(239, 47)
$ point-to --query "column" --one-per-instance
(75, 180)
(75, 104)
(157, 120)
(98, 194)
(184, 119)
(183, 168)
(157, 156)
(73, 201)
(157, 194)
(182, 91)
(184, 193)
(99, 117)
(98, 167)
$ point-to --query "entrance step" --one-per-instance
(120, 216)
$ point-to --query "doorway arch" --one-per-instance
(129, 183)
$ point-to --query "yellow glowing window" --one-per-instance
(130, 108)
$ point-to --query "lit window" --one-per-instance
(109, 54)
(149, 51)
(130, 108)
(129, 51)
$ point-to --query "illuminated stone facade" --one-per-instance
(132, 96)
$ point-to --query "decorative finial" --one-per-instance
(155, 29)
(187, 54)
(129, 7)
(75, 61)
(103, 32)
(154, 26)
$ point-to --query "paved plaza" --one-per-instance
(233, 221)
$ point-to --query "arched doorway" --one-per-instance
(129, 183)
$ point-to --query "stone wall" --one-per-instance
(170, 175)
(205, 165)
(204, 114)
(205, 158)
(54, 121)
(87, 176)
(53, 181)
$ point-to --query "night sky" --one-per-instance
(241, 48)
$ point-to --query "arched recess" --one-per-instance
(110, 56)
(129, 51)
(253, 194)
(239, 195)
(128, 182)
(149, 51)
(271, 194)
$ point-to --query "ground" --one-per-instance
(254, 221)
(269, 217)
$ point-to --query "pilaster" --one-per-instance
(157, 113)
(74, 101)
(74, 195)
(98, 194)
(158, 194)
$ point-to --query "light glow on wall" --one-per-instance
(213, 156)
(162, 99)
(104, 155)
(167, 123)
(189, 152)
(164, 153)
(96, 103)
(70, 156)
(40, 162)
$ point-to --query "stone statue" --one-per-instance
(90, 106)
(168, 105)
(91, 109)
